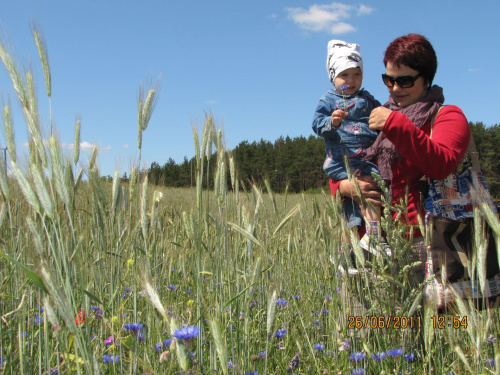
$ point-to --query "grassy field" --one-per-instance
(131, 278)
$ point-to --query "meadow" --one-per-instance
(131, 278)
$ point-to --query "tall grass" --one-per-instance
(100, 277)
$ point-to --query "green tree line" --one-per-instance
(296, 164)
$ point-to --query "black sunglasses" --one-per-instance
(404, 82)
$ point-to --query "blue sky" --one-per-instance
(257, 66)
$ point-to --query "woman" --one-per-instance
(404, 150)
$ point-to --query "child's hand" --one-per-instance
(337, 117)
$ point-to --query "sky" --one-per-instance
(257, 66)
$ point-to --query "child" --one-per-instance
(341, 118)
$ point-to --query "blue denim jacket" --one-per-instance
(354, 130)
(350, 138)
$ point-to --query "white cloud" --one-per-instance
(125, 145)
(211, 101)
(329, 17)
(474, 70)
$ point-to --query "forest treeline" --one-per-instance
(296, 164)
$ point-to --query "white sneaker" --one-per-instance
(367, 244)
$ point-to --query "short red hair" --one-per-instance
(414, 51)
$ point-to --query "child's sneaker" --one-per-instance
(374, 248)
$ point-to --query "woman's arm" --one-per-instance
(439, 155)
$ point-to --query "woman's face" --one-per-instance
(410, 95)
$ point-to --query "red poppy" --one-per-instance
(80, 317)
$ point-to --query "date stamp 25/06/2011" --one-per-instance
(404, 322)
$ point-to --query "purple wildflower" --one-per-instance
(166, 343)
(394, 352)
(230, 364)
(357, 356)
(343, 87)
(280, 333)
(490, 362)
(108, 341)
(186, 333)
(171, 287)
(359, 371)
(378, 356)
(110, 358)
(281, 302)
(319, 346)
(134, 326)
(409, 357)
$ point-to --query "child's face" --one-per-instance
(351, 77)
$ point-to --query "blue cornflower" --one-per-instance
(319, 346)
(110, 358)
(166, 343)
(281, 302)
(189, 291)
(490, 362)
(251, 373)
(141, 336)
(325, 311)
(134, 326)
(2, 360)
(281, 333)
(359, 371)
(171, 287)
(186, 333)
(358, 356)
(297, 296)
(343, 87)
(54, 371)
(328, 297)
(378, 356)
(409, 357)
(230, 364)
(261, 354)
(394, 352)
(158, 347)
(491, 339)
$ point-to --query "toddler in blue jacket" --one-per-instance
(341, 118)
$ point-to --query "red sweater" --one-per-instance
(436, 158)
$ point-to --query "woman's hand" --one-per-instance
(369, 189)
(378, 117)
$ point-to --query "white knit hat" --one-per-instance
(342, 56)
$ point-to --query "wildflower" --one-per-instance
(409, 357)
(325, 311)
(173, 269)
(166, 343)
(281, 302)
(359, 371)
(38, 319)
(358, 356)
(230, 364)
(108, 341)
(171, 287)
(294, 363)
(378, 356)
(319, 346)
(134, 326)
(110, 358)
(491, 339)
(80, 317)
(394, 352)
(490, 362)
(189, 291)
(297, 296)
(328, 297)
(186, 333)
(141, 336)
(158, 347)
(190, 302)
(54, 371)
(253, 303)
(345, 345)
(261, 354)
(251, 373)
(114, 319)
(281, 333)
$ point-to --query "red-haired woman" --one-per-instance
(404, 151)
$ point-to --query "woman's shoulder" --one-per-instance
(451, 110)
